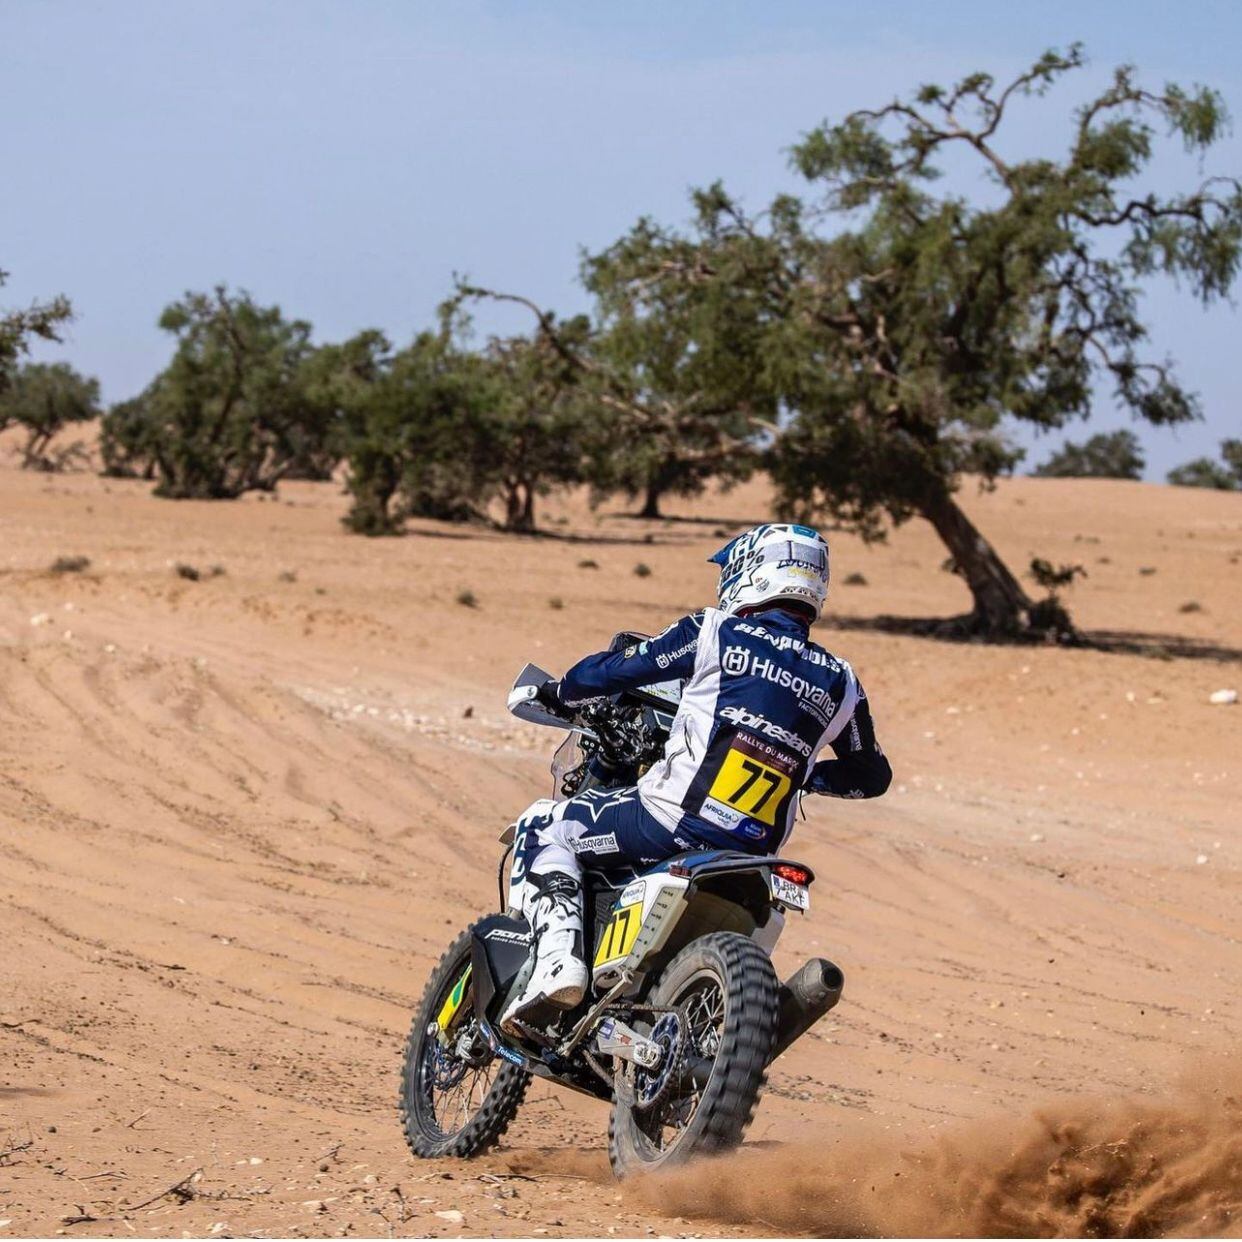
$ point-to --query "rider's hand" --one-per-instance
(548, 695)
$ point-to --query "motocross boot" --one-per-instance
(559, 978)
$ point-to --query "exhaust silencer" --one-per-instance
(804, 998)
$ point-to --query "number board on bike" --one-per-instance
(619, 934)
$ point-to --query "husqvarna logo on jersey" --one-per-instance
(735, 661)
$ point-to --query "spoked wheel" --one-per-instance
(457, 1099)
(724, 992)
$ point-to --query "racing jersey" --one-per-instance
(759, 702)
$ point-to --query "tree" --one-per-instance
(1224, 476)
(127, 440)
(42, 320)
(44, 399)
(900, 343)
(443, 430)
(667, 375)
(1111, 455)
(229, 413)
(398, 431)
(530, 436)
(676, 367)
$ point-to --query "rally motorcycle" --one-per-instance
(684, 1011)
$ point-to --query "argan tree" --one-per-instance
(229, 413)
(1108, 455)
(42, 321)
(399, 433)
(908, 322)
(530, 438)
(44, 399)
(676, 371)
(1224, 475)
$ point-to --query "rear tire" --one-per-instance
(450, 1106)
(726, 986)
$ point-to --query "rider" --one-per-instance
(759, 702)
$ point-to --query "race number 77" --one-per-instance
(754, 772)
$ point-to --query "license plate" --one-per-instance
(791, 894)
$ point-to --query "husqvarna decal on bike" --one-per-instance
(448, 1010)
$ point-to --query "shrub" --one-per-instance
(70, 564)
(1111, 455)
(467, 599)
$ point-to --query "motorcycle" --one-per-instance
(684, 1012)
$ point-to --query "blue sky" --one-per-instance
(344, 157)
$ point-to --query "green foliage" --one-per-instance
(898, 328)
(44, 399)
(230, 413)
(1224, 475)
(441, 431)
(43, 321)
(1112, 455)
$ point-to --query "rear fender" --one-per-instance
(661, 912)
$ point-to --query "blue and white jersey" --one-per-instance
(760, 701)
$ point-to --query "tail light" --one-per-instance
(795, 875)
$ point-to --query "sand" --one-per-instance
(240, 818)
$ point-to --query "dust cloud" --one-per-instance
(1081, 1167)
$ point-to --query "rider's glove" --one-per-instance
(549, 695)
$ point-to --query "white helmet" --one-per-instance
(772, 563)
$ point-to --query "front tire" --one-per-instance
(451, 1105)
(726, 987)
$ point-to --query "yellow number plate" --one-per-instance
(750, 786)
(619, 935)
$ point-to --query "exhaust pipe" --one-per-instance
(804, 998)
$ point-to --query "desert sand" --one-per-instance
(240, 818)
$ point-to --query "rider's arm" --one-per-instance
(667, 657)
(860, 769)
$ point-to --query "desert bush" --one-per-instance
(1109, 455)
(467, 599)
(1051, 576)
(70, 565)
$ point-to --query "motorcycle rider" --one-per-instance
(759, 703)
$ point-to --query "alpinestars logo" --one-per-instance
(769, 728)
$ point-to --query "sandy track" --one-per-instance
(241, 817)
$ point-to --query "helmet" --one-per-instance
(770, 563)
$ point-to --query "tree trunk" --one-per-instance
(651, 500)
(520, 507)
(1001, 605)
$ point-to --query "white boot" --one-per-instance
(559, 978)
